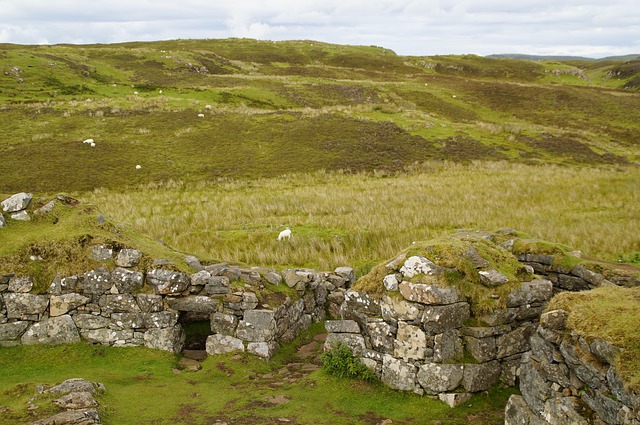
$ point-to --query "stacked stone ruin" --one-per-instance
(424, 338)
(129, 306)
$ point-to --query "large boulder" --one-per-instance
(17, 202)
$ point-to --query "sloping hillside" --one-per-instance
(207, 109)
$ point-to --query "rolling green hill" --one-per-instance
(271, 108)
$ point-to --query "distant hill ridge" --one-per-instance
(622, 58)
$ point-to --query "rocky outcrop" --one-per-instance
(76, 402)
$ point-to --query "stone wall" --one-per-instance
(425, 337)
(566, 380)
(129, 306)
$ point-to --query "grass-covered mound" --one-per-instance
(462, 256)
(608, 313)
(59, 242)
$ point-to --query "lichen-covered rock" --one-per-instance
(358, 305)
(381, 335)
(257, 326)
(76, 400)
(72, 417)
(195, 303)
(101, 253)
(441, 318)
(262, 349)
(353, 341)
(168, 339)
(127, 321)
(455, 399)
(120, 303)
(128, 257)
(127, 280)
(74, 385)
(347, 273)
(21, 216)
(514, 342)
(3, 222)
(160, 319)
(22, 284)
(342, 326)
(429, 294)
(554, 320)
(517, 412)
(149, 303)
(96, 282)
(167, 282)
(55, 330)
(417, 265)
(482, 349)
(20, 305)
(62, 304)
(492, 278)
(480, 377)
(90, 321)
(410, 343)
(447, 346)
(13, 330)
(17, 202)
(394, 309)
(536, 291)
(390, 282)
(399, 374)
(224, 324)
(223, 344)
(107, 336)
(437, 378)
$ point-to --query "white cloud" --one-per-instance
(419, 27)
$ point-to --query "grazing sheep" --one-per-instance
(138, 167)
(207, 106)
(200, 115)
(135, 92)
(89, 141)
(160, 92)
(93, 145)
(285, 234)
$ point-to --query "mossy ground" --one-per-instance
(143, 389)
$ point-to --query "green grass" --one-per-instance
(360, 220)
(267, 119)
(143, 389)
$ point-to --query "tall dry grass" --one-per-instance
(359, 220)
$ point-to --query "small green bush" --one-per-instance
(341, 362)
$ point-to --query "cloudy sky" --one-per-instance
(593, 28)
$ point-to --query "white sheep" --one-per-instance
(93, 145)
(285, 234)
(160, 92)
(138, 167)
(207, 106)
(135, 92)
(89, 141)
(200, 115)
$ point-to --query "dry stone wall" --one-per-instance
(566, 380)
(425, 337)
(129, 306)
